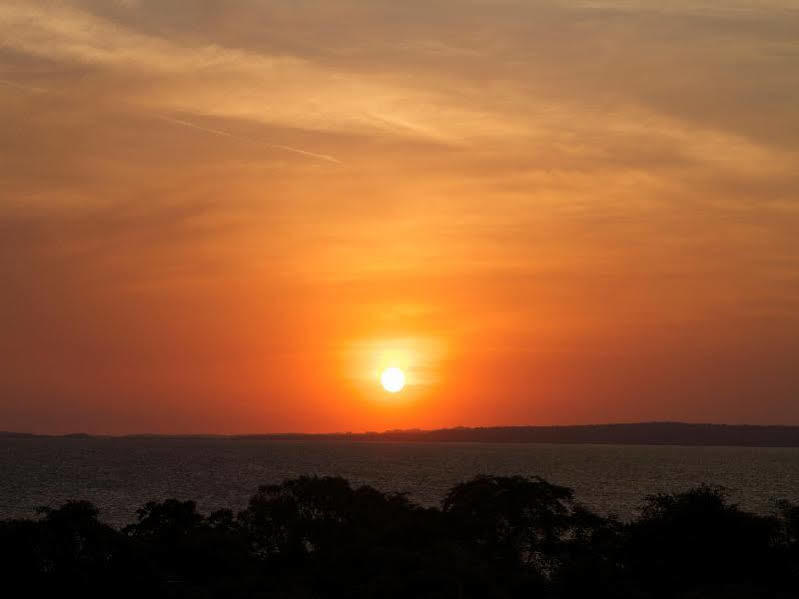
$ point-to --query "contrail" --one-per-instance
(222, 133)
(26, 88)
(183, 123)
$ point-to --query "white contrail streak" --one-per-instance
(183, 123)
(19, 86)
(222, 133)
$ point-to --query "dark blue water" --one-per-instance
(119, 475)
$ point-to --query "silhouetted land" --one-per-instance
(644, 433)
(492, 536)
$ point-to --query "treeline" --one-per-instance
(492, 537)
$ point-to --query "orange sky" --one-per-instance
(227, 216)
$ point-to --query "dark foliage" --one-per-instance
(493, 537)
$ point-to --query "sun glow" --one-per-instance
(406, 368)
(392, 379)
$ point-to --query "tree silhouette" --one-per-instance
(494, 536)
(697, 540)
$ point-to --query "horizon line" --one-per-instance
(404, 430)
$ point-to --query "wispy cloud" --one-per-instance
(215, 80)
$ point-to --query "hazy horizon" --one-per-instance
(235, 216)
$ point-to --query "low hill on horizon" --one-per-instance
(640, 433)
(643, 433)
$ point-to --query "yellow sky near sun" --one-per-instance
(228, 217)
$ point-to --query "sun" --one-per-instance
(392, 379)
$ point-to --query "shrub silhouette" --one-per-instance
(343, 540)
(67, 548)
(492, 537)
(517, 521)
(186, 550)
(698, 540)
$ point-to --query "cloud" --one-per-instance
(219, 81)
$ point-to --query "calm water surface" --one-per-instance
(120, 475)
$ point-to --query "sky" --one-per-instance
(231, 216)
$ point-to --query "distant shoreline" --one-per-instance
(644, 433)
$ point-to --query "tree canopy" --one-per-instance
(493, 536)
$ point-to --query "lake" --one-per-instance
(121, 474)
